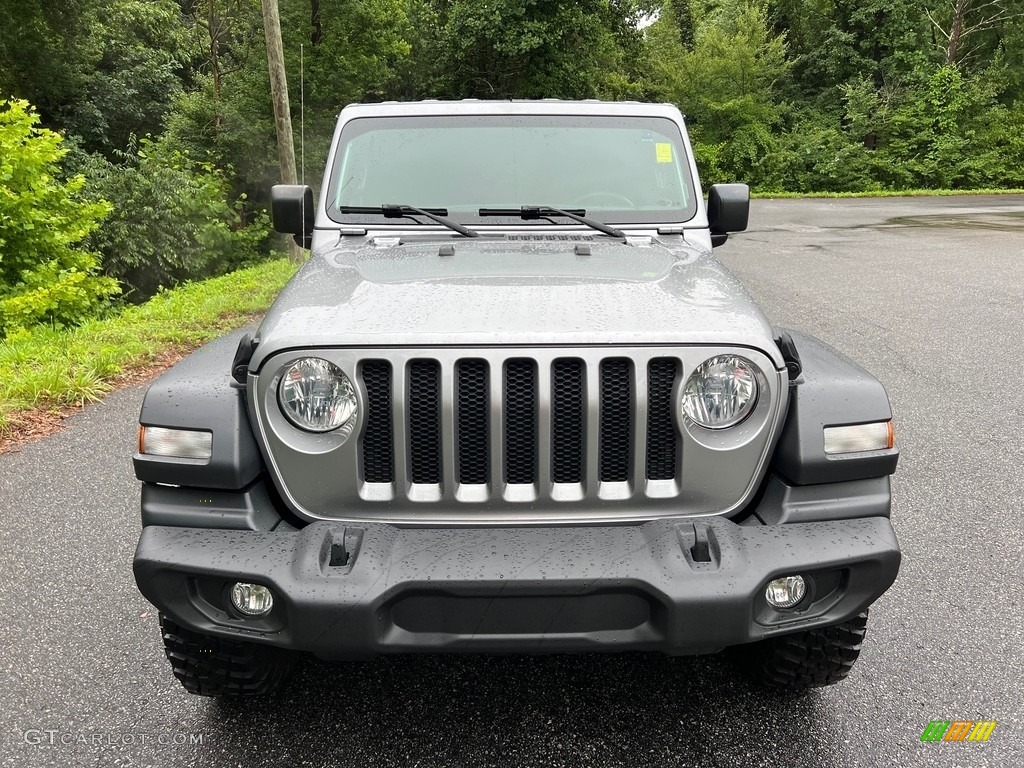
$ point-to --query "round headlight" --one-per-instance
(316, 395)
(721, 392)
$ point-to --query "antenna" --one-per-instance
(302, 112)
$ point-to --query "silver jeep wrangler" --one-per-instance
(513, 404)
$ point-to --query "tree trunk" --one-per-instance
(279, 94)
(318, 30)
(956, 31)
(213, 27)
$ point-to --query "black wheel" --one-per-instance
(212, 666)
(809, 659)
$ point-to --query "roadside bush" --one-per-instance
(46, 275)
(173, 220)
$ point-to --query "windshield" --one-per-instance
(617, 169)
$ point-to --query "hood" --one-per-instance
(512, 292)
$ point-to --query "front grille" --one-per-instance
(616, 420)
(662, 441)
(472, 433)
(568, 416)
(493, 424)
(520, 422)
(425, 421)
(378, 453)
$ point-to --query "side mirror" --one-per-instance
(293, 211)
(728, 210)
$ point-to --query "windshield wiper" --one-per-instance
(391, 211)
(530, 212)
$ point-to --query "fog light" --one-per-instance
(252, 599)
(786, 592)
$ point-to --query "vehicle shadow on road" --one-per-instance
(632, 709)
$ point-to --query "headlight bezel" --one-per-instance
(343, 382)
(756, 379)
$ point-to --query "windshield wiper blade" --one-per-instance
(528, 212)
(392, 211)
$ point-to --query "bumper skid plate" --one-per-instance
(676, 586)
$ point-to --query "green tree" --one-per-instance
(968, 31)
(136, 54)
(533, 49)
(351, 51)
(100, 70)
(225, 116)
(45, 274)
(43, 53)
(727, 87)
(175, 219)
(885, 40)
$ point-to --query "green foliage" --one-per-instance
(233, 131)
(42, 53)
(951, 132)
(226, 118)
(46, 367)
(134, 52)
(835, 41)
(46, 276)
(100, 70)
(531, 49)
(173, 220)
(837, 95)
(354, 53)
(726, 85)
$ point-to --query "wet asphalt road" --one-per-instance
(925, 293)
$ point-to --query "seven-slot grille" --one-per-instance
(518, 423)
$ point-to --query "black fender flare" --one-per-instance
(199, 393)
(832, 390)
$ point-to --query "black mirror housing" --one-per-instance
(293, 211)
(728, 210)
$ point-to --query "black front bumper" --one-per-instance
(677, 586)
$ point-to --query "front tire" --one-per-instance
(809, 659)
(212, 666)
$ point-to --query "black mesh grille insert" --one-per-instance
(378, 451)
(661, 431)
(472, 421)
(520, 421)
(568, 415)
(424, 421)
(616, 422)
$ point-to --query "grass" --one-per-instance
(889, 193)
(46, 368)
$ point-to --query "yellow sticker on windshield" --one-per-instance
(663, 151)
